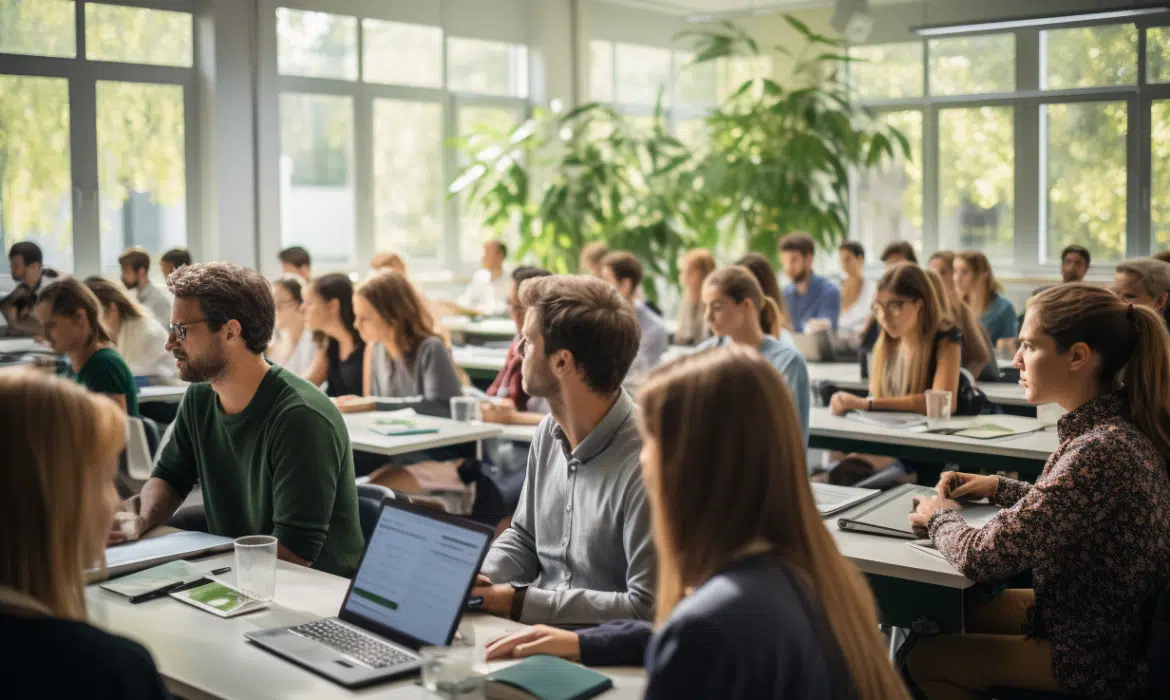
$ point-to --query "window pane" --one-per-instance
(889, 198)
(975, 64)
(316, 44)
(487, 67)
(1160, 175)
(317, 198)
(402, 54)
(35, 202)
(641, 73)
(1158, 55)
(38, 27)
(976, 180)
(495, 123)
(141, 173)
(698, 84)
(1089, 56)
(1085, 178)
(138, 35)
(408, 177)
(601, 71)
(887, 71)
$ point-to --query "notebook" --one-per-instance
(888, 419)
(832, 499)
(888, 514)
(152, 551)
(545, 678)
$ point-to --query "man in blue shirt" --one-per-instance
(809, 296)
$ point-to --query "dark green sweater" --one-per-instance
(282, 466)
(105, 372)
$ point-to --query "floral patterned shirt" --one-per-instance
(1095, 531)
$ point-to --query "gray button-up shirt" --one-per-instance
(581, 534)
(157, 300)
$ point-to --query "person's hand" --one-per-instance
(500, 411)
(497, 597)
(955, 485)
(128, 524)
(843, 402)
(924, 510)
(348, 398)
(540, 639)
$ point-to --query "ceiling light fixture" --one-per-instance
(1041, 21)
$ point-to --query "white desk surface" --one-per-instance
(518, 433)
(847, 375)
(162, 394)
(478, 357)
(492, 327)
(22, 345)
(1035, 445)
(364, 439)
(203, 656)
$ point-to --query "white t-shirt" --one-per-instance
(142, 342)
(486, 295)
(853, 319)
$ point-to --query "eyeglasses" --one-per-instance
(179, 330)
(890, 308)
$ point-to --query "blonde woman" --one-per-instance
(57, 500)
(692, 328)
(753, 599)
(976, 284)
(1145, 282)
(977, 357)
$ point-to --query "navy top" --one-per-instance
(822, 300)
(344, 376)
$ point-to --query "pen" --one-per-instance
(156, 593)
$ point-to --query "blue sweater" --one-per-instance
(999, 318)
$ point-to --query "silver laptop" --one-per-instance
(409, 591)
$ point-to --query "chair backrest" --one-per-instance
(370, 497)
(139, 458)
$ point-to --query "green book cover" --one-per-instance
(546, 678)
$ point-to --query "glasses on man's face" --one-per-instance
(890, 308)
(179, 330)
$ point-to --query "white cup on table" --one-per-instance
(938, 405)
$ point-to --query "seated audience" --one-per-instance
(979, 290)
(436, 308)
(488, 291)
(28, 271)
(512, 403)
(591, 256)
(1144, 281)
(1074, 263)
(754, 600)
(172, 260)
(623, 272)
(138, 337)
(270, 453)
(977, 355)
(856, 291)
(292, 347)
(898, 252)
(808, 295)
(340, 350)
(766, 276)
(739, 313)
(296, 261)
(578, 550)
(135, 263)
(72, 320)
(692, 328)
(61, 450)
(1092, 530)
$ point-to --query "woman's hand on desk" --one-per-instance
(959, 485)
(540, 639)
(843, 402)
(924, 510)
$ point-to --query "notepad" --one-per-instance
(546, 678)
(220, 600)
(832, 499)
(888, 419)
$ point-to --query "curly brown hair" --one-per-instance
(226, 292)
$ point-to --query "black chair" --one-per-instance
(370, 497)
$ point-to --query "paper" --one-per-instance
(831, 498)
(155, 578)
(220, 599)
(888, 419)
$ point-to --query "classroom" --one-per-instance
(558, 349)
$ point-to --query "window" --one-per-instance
(889, 198)
(1089, 56)
(402, 54)
(697, 84)
(976, 180)
(642, 74)
(972, 65)
(316, 44)
(487, 67)
(1158, 54)
(887, 71)
(737, 70)
(601, 71)
(137, 35)
(38, 27)
(408, 177)
(1160, 180)
(497, 121)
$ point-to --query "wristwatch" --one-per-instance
(518, 593)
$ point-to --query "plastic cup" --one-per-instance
(938, 404)
(449, 672)
(464, 409)
(256, 566)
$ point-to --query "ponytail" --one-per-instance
(771, 317)
(1147, 376)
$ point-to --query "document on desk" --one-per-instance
(832, 499)
(888, 419)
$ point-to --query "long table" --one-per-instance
(363, 435)
(847, 375)
(161, 394)
(20, 344)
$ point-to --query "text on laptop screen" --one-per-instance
(415, 573)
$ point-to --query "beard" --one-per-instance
(207, 368)
(802, 275)
(539, 381)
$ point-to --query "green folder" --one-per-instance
(546, 678)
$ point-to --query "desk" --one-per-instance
(484, 328)
(361, 434)
(847, 375)
(202, 656)
(480, 362)
(518, 433)
(19, 345)
(161, 394)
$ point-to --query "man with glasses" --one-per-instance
(270, 451)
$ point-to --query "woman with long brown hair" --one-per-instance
(977, 357)
(765, 275)
(753, 600)
(138, 336)
(983, 294)
(696, 265)
(1092, 529)
(57, 502)
(329, 313)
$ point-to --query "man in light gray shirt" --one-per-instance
(623, 271)
(579, 550)
(135, 263)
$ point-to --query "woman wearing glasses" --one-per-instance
(293, 347)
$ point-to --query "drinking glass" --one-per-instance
(256, 566)
(464, 409)
(938, 404)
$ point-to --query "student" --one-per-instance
(293, 347)
(512, 403)
(977, 357)
(72, 320)
(979, 290)
(898, 252)
(623, 272)
(172, 260)
(135, 263)
(296, 261)
(340, 350)
(1074, 263)
(943, 262)
(765, 275)
(809, 296)
(578, 550)
(488, 291)
(856, 291)
(437, 309)
(271, 454)
(404, 358)
(692, 328)
(1145, 282)
(28, 271)
(739, 313)
(1092, 530)
(138, 337)
(754, 600)
(591, 256)
(57, 500)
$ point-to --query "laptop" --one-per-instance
(409, 591)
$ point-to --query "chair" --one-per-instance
(370, 497)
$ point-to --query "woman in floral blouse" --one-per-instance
(1093, 529)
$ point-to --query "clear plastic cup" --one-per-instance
(449, 672)
(256, 566)
(938, 404)
(464, 409)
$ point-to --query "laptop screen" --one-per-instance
(414, 576)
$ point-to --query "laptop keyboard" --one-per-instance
(364, 648)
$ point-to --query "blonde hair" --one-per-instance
(976, 351)
(979, 264)
(711, 498)
(1153, 274)
(738, 283)
(909, 281)
(56, 435)
(399, 304)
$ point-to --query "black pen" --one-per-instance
(156, 593)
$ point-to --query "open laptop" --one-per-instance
(409, 591)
